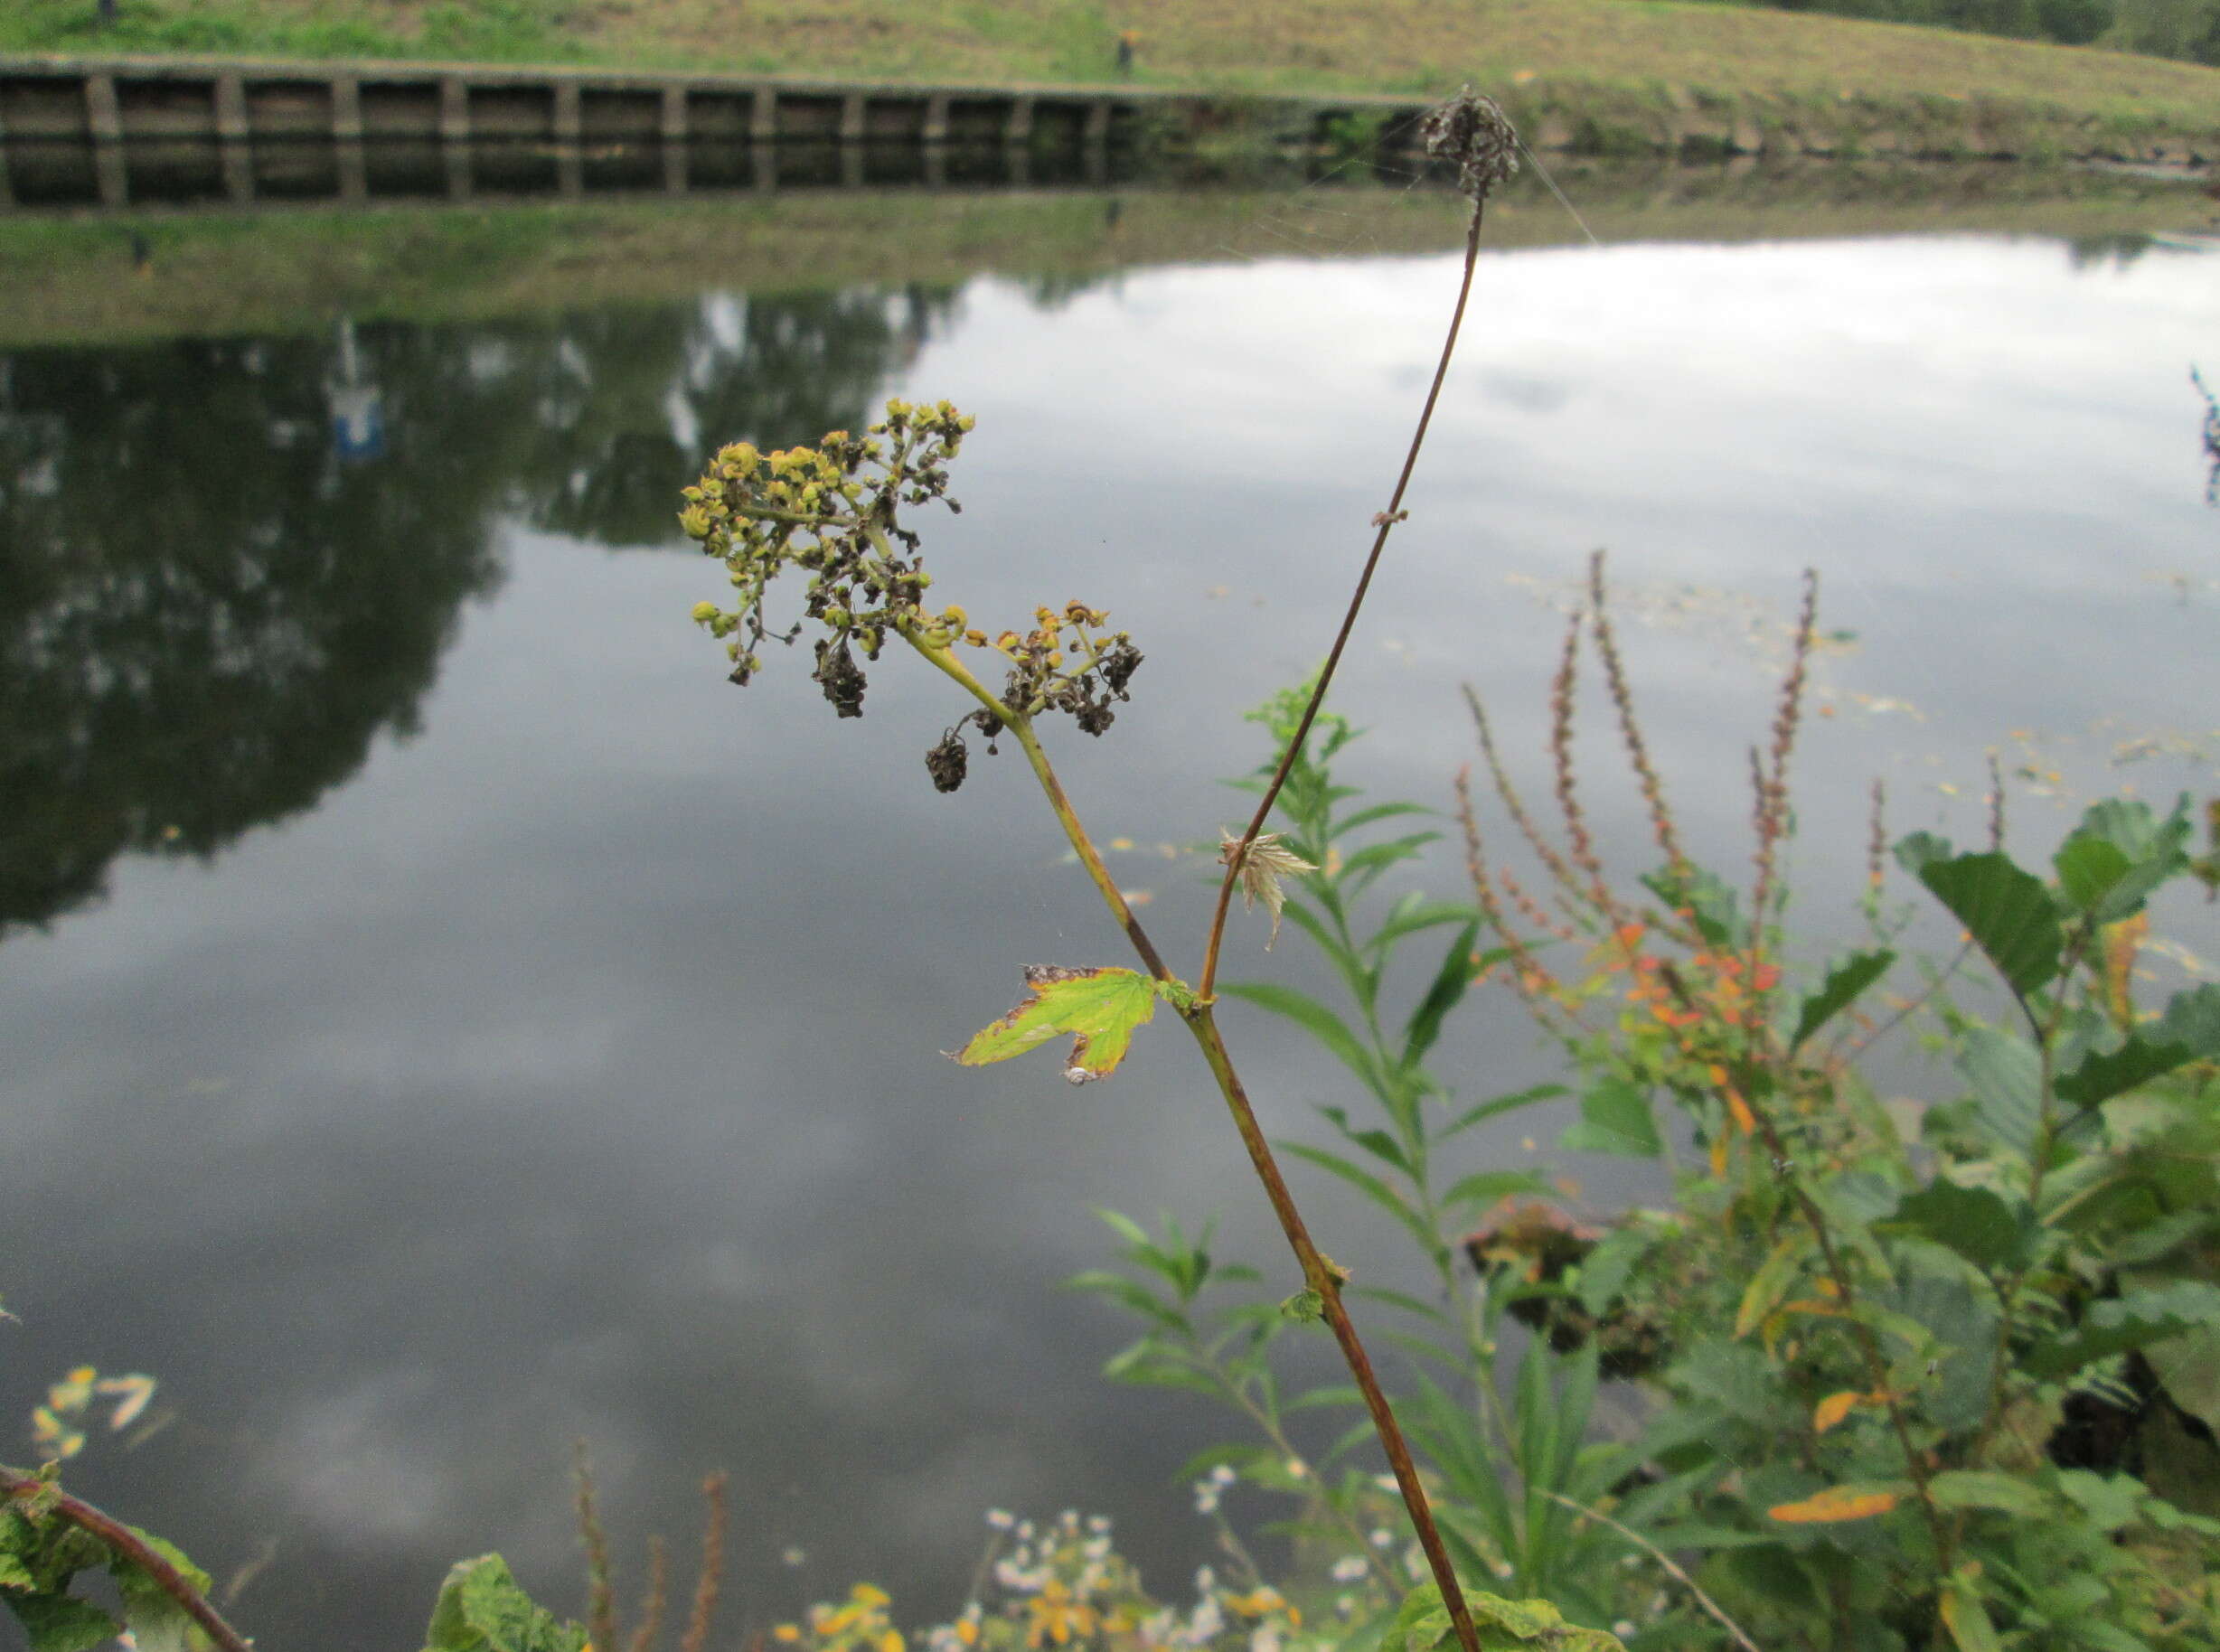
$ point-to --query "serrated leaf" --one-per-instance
(1977, 1223)
(1845, 981)
(1099, 1009)
(62, 1623)
(481, 1608)
(1603, 1271)
(2007, 910)
(1835, 1505)
(1304, 1307)
(2189, 1031)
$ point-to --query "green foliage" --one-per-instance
(481, 1608)
(1422, 1624)
(1874, 1361)
(41, 1555)
(1100, 1010)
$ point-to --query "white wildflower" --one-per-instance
(1349, 1569)
(1001, 1520)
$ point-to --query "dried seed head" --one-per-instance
(947, 762)
(1474, 133)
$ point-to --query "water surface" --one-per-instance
(446, 1019)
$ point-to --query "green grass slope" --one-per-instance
(1402, 46)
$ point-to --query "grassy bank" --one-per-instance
(1402, 46)
(91, 282)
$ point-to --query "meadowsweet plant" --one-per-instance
(832, 516)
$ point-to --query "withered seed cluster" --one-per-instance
(833, 511)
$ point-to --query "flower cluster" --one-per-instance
(1062, 1586)
(833, 511)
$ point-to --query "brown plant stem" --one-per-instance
(1318, 1274)
(1324, 1278)
(708, 1585)
(1386, 520)
(119, 1539)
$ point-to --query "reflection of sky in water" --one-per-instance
(570, 1070)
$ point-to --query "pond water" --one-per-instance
(444, 1019)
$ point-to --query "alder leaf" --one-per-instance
(1099, 1008)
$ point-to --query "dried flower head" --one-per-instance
(1474, 133)
(1265, 863)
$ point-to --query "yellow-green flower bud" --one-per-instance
(705, 613)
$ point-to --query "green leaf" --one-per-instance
(1099, 1008)
(1304, 1307)
(2089, 869)
(62, 1623)
(1977, 1223)
(1448, 985)
(1964, 1615)
(2121, 1323)
(1986, 1488)
(481, 1609)
(1480, 1113)
(1377, 1190)
(2189, 1031)
(1769, 1286)
(2006, 1073)
(157, 1623)
(1414, 914)
(1486, 1187)
(2007, 911)
(1316, 1019)
(1377, 811)
(1422, 1624)
(1614, 1118)
(1922, 850)
(1844, 982)
(1605, 1271)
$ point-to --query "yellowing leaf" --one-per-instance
(1835, 1505)
(1099, 1008)
(1771, 1282)
(1831, 1409)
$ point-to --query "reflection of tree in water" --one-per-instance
(207, 613)
(2212, 438)
(635, 399)
(2113, 251)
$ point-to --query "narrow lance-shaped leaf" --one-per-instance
(1099, 1008)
